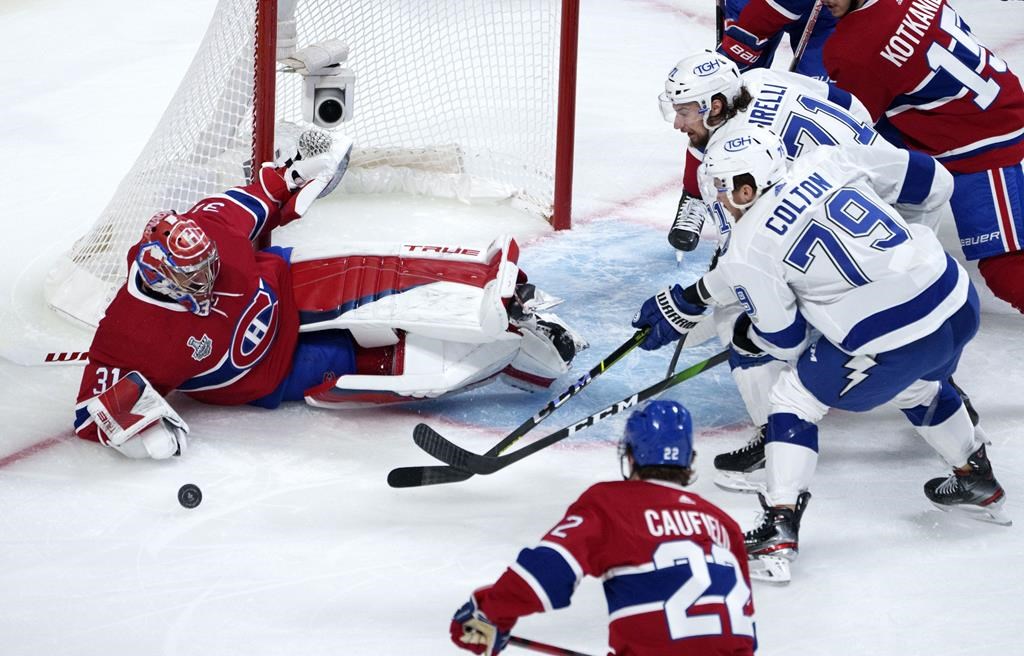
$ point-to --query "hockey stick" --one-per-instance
(812, 19)
(719, 22)
(543, 648)
(438, 474)
(675, 356)
(35, 358)
(442, 449)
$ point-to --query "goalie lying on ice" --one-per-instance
(204, 313)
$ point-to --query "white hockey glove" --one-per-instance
(323, 162)
(134, 419)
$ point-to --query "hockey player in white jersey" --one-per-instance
(703, 93)
(864, 307)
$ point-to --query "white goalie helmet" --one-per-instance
(698, 78)
(739, 149)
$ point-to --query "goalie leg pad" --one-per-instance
(455, 293)
(131, 408)
(424, 368)
(546, 350)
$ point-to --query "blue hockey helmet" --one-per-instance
(659, 434)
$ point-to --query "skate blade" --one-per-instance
(740, 482)
(770, 569)
(993, 513)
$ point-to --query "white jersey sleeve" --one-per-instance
(858, 272)
(899, 177)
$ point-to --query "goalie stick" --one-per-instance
(438, 446)
(439, 474)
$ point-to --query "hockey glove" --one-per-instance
(744, 348)
(741, 46)
(319, 171)
(134, 419)
(690, 216)
(670, 315)
(473, 631)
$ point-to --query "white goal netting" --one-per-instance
(452, 97)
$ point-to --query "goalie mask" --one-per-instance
(699, 78)
(658, 434)
(177, 259)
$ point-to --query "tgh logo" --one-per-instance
(706, 68)
(738, 144)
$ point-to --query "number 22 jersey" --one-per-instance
(673, 566)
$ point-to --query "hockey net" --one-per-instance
(458, 98)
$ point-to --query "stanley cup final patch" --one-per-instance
(201, 348)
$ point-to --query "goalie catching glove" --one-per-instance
(133, 418)
(670, 314)
(473, 631)
(317, 168)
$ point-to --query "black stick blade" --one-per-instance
(426, 475)
(438, 446)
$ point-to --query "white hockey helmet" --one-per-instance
(698, 78)
(739, 149)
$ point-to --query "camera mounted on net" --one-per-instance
(328, 89)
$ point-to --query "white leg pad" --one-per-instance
(789, 470)
(430, 368)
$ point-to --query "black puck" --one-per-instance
(190, 495)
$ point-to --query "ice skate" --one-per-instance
(774, 544)
(742, 470)
(973, 491)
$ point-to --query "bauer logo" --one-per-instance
(738, 144)
(707, 68)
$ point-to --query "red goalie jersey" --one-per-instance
(916, 65)
(237, 354)
(673, 565)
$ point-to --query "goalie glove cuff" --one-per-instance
(130, 408)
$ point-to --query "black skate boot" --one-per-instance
(972, 489)
(775, 543)
(967, 402)
(684, 235)
(735, 467)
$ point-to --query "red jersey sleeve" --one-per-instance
(544, 577)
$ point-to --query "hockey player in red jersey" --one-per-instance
(673, 564)
(204, 313)
(755, 28)
(931, 86)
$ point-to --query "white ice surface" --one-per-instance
(299, 546)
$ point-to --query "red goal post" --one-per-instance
(458, 98)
